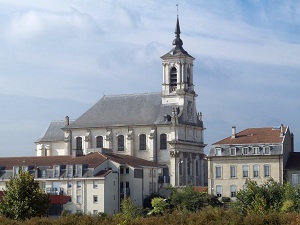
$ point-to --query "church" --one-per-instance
(164, 128)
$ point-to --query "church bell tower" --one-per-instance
(178, 86)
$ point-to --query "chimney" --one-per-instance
(67, 121)
(233, 132)
(281, 130)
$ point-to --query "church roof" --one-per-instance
(54, 132)
(177, 50)
(122, 110)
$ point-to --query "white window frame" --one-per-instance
(245, 150)
(232, 191)
(232, 171)
(79, 184)
(255, 171)
(267, 172)
(267, 150)
(95, 199)
(245, 169)
(218, 151)
(79, 170)
(95, 184)
(219, 190)
(79, 199)
(56, 171)
(255, 150)
(218, 172)
(70, 169)
(233, 151)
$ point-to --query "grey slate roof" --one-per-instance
(54, 132)
(120, 110)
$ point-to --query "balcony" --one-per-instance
(55, 191)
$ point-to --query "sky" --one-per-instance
(58, 58)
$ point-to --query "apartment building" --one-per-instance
(254, 153)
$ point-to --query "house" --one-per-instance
(292, 168)
(162, 127)
(254, 153)
(91, 183)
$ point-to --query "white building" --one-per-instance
(96, 182)
(161, 127)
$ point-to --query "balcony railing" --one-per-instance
(55, 191)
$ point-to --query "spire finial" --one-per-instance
(177, 10)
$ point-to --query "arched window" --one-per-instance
(79, 143)
(173, 79)
(163, 141)
(188, 77)
(142, 141)
(99, 142)
(121, 143)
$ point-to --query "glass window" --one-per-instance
(70, 171)
(180, 167)
(267, 150)
(267, 169)
(95, 212)
(218, 190)
(121, 170)
(232, 171)
(142, 142)
(121, 143)
(163, 141)
(79, 143)
(255, 150)
(56, 171)
(79, 170)
(79, 184)
(245, 151)
(95, 198)
(218, 171)
(197, 168)
(95, 184)
(232, 190)
(99, 142)
(232, 151)
(218, 151)
(188, 167)
(44, 173)
(127, 170)
(245, 170)
(255, 170)
(294, 178)
(69, 184)
(78, 199)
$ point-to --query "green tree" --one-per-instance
(159, 205)
(188, 198)
(23, 198)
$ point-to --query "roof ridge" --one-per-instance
(117, 95)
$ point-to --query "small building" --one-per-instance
(292, 168)
(96, 182)
(254, 153)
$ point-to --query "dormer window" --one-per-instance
(70, 171)
(218, 151)
(255, 150)
(16, 170)
(43, 173)
(173, 79)
(233, 151)
(245, 150)
(56, 171)
(267, 150)
(79, 170)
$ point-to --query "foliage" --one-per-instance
(129, 210)
(188, 199)
(23, 198)
(268, 197)
(147, 201)
(159, 205)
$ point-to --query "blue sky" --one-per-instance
(58, 58)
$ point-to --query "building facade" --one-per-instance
(255, 153)
(161, 127)
(93, 183)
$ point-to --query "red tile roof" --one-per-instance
(254, 135)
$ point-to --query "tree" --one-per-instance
(159, 205)
(23, 198)
(188, 198)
